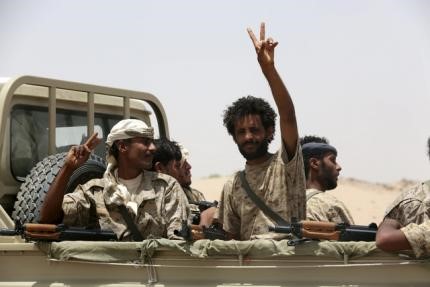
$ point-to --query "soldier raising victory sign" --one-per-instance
(277, 179)
(130, 200)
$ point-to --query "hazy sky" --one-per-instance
(358, 71)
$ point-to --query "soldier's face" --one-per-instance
(172, 168)
(185, 174)
(251, 137)
(329, 171)
(139, 152)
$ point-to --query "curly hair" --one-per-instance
(249, 105)
(306, 156)
(166, 151)
(313, 139)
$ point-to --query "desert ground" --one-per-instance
(367, 201)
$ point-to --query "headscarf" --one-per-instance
(127, 129)
(184, 152)
(316, 149)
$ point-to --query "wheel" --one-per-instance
(33, 190)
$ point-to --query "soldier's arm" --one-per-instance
(265, 49)
(227, 218)
(390, 238)
(51, 211)
(176, 209)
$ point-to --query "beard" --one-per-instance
(261, 150)
(327, 179)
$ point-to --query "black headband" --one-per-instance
(314, 149)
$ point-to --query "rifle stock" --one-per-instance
(52, 232)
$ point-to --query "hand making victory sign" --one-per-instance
(78, 155)
(51, 211)
(265, 48)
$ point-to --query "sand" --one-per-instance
(366, 201)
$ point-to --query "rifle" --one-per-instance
(328, 230)
(196, 232)
(52, 232)
(202, 205)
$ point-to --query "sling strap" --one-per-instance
(315, 192)
(260, 204)
(130, 224)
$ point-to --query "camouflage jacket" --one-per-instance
(161, 204)
(321, 206)
(418, 237)
(279, 182)
(412, 205)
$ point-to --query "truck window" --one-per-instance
(29, 134)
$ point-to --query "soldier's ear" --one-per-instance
(122, 146)
(270, 131)
(314, 163)
(158, 166)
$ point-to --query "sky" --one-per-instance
(357, 71)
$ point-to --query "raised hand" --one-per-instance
(78, 155)
(51, 211)
(265, 48)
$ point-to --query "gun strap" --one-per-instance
(130, 224)
(315, 192)
(260, 204)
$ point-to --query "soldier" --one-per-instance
(277, 179)
(322, 171)
(185, 180)
(392, 236)
(167, 158)
(412, 205)
(130, 200)
(208, 216)
(406, 224)
(172, 158)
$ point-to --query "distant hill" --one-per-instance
(367, 201)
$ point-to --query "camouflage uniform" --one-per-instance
(279, 182)
(418, 236)
(322, 206)
(160, 200)
(411, 206)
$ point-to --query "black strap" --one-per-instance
(130, 224)
(260, 204)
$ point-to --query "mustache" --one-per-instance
(250, 142)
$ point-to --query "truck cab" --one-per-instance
(40, 117)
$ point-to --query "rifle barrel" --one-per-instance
(87, 235)
(8, 232)
(281, 229)
(352, 234)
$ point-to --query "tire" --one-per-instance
(33, 190)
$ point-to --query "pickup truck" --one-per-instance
(41, 118)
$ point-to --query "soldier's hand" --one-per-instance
(207, 216)
(78, 155)
(265, 48)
